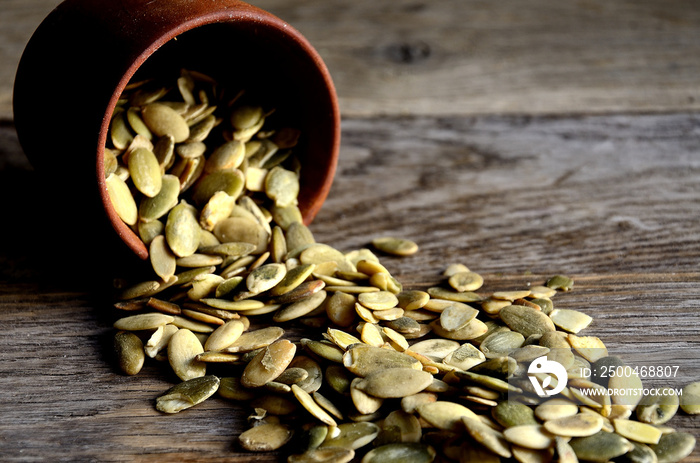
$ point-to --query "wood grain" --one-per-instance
(609, 200)
(457, 57)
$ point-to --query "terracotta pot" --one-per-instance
(85, 52)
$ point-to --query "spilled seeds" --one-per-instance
(384, 373)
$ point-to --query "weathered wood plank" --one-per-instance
(609, 200)
(474, 57)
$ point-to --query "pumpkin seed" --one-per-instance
(268, 364)
(488, 437)
(363, 360)
(464, 357)
(282, 186)
(182, 230)
(456, 316)
(658, 406)
(636, 431)
(445, 415)
(554, 409)
(324, 455)
(146, 321)
(395, 246)
(311, 406)
(224, 336)
(466, 281)
(352, 436)
(509, 413)
(122, 200)
(183, 349)
(529, 436)
(526, 320)
(187, 394)
(129, 351)
(673, 447)
(400, 452)
(690, 399)
(456, 296)
(159, 205)
(265, 437)
(412, 300)
(159, 340)
(569, 320)
(242, 229)
(163, 120)
(602, 446)
(579, 425)
(395, 382)
(560, 282)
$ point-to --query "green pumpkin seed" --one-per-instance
(183, 349)
(256, 339)
(395, 246)
(554, 409)
(300, 308)
(464, 357)
(395, 382)
(231, 388)
(187, 394)
(159, 340)
(412, 300)
(182, 230)
(224, 336)
(466, 281)
(265, 437)
(229, 181)
(156, 207)
(162, 259)
(579, 425)
(658, 406)
(509, 413)
(268, 364)
(636, 431)
(445, 415)
(569, 320)
(282, 186)
(242, 229)
(529, 436)
(324, 455)
(560, 282)
(487, 436)
(673, 447)
(501, 343)
(122, 200)
(456, 316)
(119, 131)
(690, 399)
(163, 120)
(602, 446)
(218, 207)
(399, 453)
(129, 352)
(265, 277)
(140, 322)
(526, 320)
(456, 296)
(352, 436)
(362, 360)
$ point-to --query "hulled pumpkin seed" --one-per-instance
(399, 453)
(187, 394)
(163, 120)
(183, 349)
(673, 447)
(602, 446)
(129, 351)
(395, 246)
(265, 437)
(121, 199)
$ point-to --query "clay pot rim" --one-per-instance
(244, 14)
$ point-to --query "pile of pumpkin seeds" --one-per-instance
(386, 374)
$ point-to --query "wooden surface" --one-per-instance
(523, 142)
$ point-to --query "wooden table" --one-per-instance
(523, 140)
